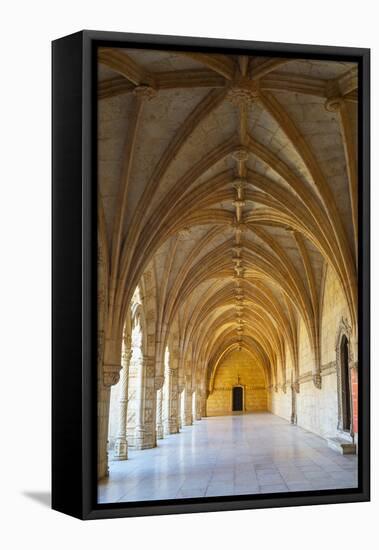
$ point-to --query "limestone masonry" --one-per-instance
(227, 245)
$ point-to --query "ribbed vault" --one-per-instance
(219, 199)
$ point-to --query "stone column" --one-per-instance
(188, 418)
(108, 375)
(203, 403)
(159, 414)
(121, 444)
(197, 411)
(145, 425)
(171, 425)
(159, 401)
(180, 406)
(103, 401)
(139, 427)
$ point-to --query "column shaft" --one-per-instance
(121, 444)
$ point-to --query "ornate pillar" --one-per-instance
(108, 375)
(203, 403)
(171, 425)
(187, 418)
(145, 435)
(180, 407)
(103, 401)
(159, 398)
(139, 428)
(121, 444)
(197, 408)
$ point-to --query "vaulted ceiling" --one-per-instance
(232, 181)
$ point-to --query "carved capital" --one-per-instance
(296, 386)
(333, 104)
(126, 356)
(111, 374)
(158, 382)
(317, 380)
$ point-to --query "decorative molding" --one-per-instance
(344, 329)
(329, 368)
(246, 387)
(111, 374)
(305, 377)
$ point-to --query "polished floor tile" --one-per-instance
(229, 455)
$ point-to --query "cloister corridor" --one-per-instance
(230, 455)
(227, 274)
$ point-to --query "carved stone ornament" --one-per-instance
(243, 92)
(240, 183)
(284, 387)
(317, 380)
(184, 232)
(111, 374)
(158, 382)
(145, 92)
(296, 386)
(333, 104)
(240, 155)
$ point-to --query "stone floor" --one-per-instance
(230, 455)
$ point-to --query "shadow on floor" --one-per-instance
(42, 497)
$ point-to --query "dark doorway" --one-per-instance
(345, 385)
(237, 398)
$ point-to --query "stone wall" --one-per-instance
(317, 409)
(238, 368)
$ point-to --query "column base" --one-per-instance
(187, 421)
(144, 439)
(120, 449)
(170, 427)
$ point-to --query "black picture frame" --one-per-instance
(74, 266)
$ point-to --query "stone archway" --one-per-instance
(227, 239)
(344, 388)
